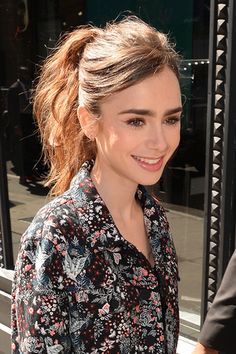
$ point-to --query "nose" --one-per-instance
(157, 140)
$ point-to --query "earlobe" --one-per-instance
(87, 122)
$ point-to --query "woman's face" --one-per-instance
(139, 130)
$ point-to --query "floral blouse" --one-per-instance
(80, 287)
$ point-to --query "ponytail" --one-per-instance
(55, 109)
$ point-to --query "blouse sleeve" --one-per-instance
(41, 287)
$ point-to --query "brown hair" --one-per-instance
(88, 65)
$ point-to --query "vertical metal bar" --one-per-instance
(209, 259)
(6, 238)
(219, 228)
(227, 232)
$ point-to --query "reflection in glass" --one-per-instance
(29, 29)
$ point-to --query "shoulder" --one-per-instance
(61, 206)
(233, 260)
(58, 219)
(51, 241)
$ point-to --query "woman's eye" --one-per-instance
(172, 120)
(135, 122)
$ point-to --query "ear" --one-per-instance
(88, 122)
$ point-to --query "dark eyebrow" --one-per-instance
(174, 110)
(147, 112)
(141, 112)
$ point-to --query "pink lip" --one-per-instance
(153, 167)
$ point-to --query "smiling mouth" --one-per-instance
(149, 161)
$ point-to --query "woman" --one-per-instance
(97, 270)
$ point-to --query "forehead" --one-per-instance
(156, 92)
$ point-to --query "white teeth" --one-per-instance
(149, 161)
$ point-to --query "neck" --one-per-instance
(118, 194)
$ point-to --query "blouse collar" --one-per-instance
(101, 229)
(83, 181)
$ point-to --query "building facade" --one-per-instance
(197, 189)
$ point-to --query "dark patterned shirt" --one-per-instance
(80, 287)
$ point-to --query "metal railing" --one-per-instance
(6, 252)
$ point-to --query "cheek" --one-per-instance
(113, 138)
(107, 140)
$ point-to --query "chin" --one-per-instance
(149, 181)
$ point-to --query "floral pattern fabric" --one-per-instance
(80, 287)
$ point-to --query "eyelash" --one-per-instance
(172, 120)
(136, 122)
(139, 122)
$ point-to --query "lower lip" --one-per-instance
(150, 167)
